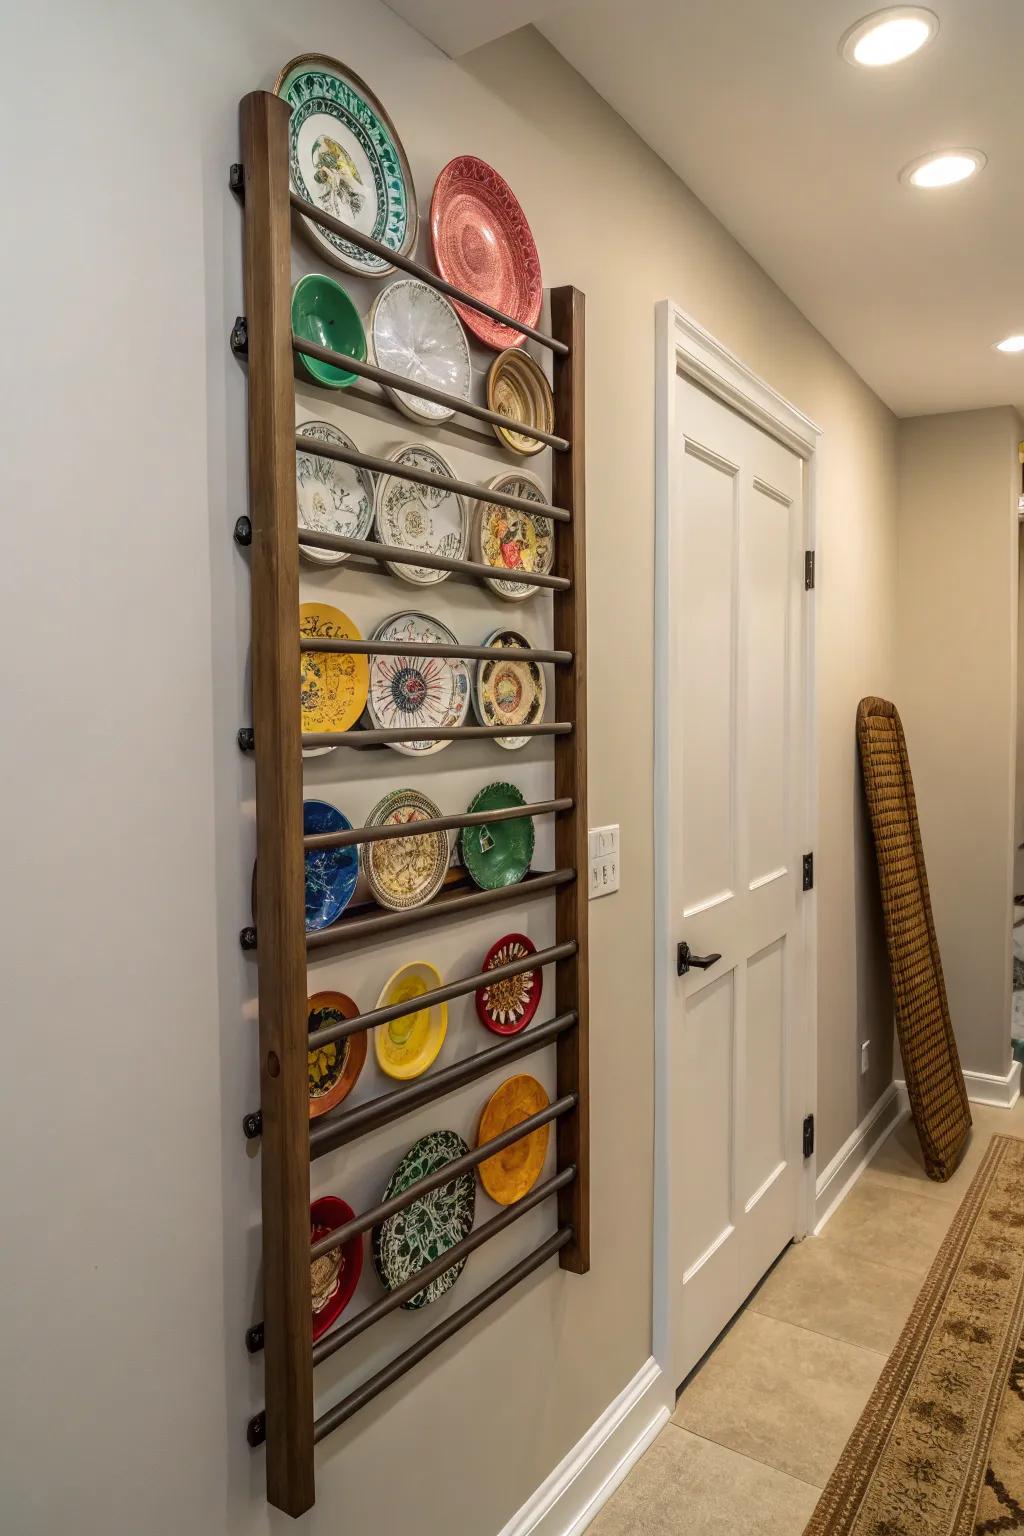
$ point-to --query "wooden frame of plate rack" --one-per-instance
(288, 1424)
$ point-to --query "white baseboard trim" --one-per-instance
(985, 1088)
(569, 1499)
(836, 1181)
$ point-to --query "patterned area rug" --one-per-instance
(939, 1449)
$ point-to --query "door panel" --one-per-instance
(763, 1072)
(707, 1078)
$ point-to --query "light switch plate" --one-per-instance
(604, 860)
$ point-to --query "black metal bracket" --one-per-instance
(247, 938)
(236, 179)
(243, 531)
(240, 336)
(256, 1429)
(252, 1124)
(246, 738)
(808, 871)
(808, 1136)
(808, 570)
(254, 1338)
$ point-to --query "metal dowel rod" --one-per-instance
(452, 989)
(415, 269)
(393, 553)
(469, 488)
(390, 380)
(336, 1416)
(432, 648)
(331, 1342)
(354, 928)
(446, 1175)
(378, 738)
(433, 824)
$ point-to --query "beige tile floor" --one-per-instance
(759, 1427)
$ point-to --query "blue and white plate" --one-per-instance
(331, 873)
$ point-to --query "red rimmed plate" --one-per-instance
(506, 1007)
(332, 1279)
(334, 1068)
(483, 244)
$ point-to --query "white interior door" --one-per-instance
(735, 733)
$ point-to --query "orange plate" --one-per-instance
(509, 1175)
(333, 1069)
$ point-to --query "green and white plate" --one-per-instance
(499, 852)
(408, 1242)
(345, 156)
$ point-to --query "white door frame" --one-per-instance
(684, 347)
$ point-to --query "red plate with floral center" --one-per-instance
(333, 1278)
(484, 245)
(506, 1007)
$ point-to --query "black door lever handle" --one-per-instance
(686, 960)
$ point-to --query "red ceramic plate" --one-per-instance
(483, 244)
(333, 1278)
(333, 1069)
(507, 1006)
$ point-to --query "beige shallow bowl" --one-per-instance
(517, 388)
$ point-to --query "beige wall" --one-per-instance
(1018, 819)
(131, 1243)
(957, 647)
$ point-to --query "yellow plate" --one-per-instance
(333, 687)
(509, 1175)
(408, 1046)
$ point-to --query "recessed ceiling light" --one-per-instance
(886, 37)
(1010, 344)
(943, 167)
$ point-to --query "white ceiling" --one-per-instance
(798, 154)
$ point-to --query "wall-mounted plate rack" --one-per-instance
(288, 1424)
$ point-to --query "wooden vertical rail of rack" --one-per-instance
(571, 832)
(284, 1079)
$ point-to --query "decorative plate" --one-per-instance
(499, 852)
(333, 1068)
(334, 1277)
(517, 388)
(421, 516)
(333, 497)
(404, 872)
(484, 245)
(411, 691)
(506, 1007)
(333, 686)
(415, 1237)
(409, 1045)
(345, 156)
(323, 313)
(331, 873)
(511, 540)
(511, 1174)
(414, 331)
(508, 692)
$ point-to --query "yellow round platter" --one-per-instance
(511, 1174)
(333, 685)
(409, 1045)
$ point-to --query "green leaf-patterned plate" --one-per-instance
(499, 852)
(408, 1242)
(345, 157)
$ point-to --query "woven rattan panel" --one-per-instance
(931, 1065)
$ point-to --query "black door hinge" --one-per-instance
(808, 871)
(808, 570)
(808, 1135)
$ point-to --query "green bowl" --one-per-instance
(323, 312)
(499, 852)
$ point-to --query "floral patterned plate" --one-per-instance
(404, 872)
(334, 1277)
(332, 686)
(508, 692)
(511, 540)
(414, 331)
(409, 1045)
(421, 516)
(512, 1173)
(331, 873)
(410, 691)
(333, 497)
(333, 1068)
(499, 852)
(484, 245)
(425, 1230)
(345, 156)
(506, 1007)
